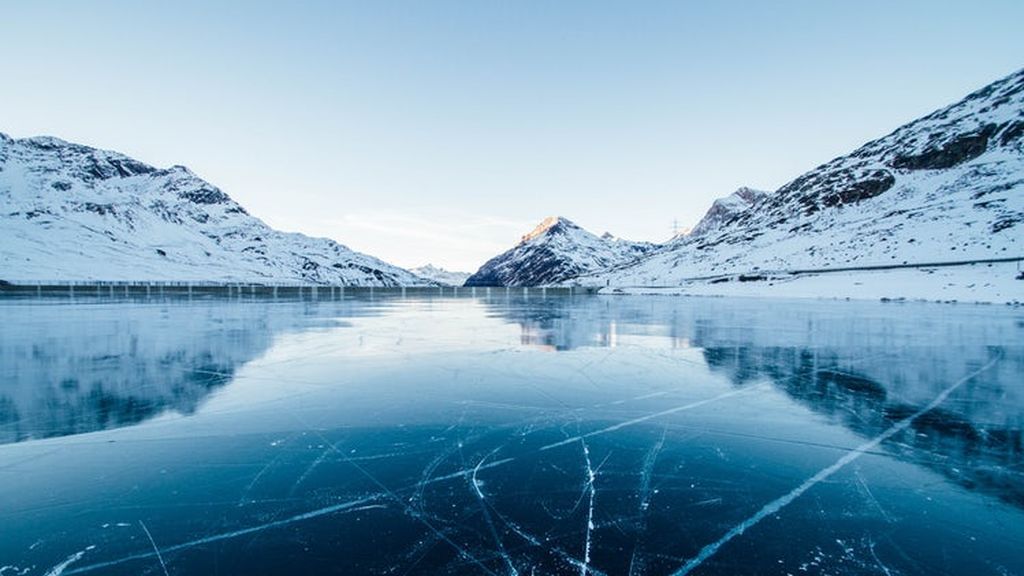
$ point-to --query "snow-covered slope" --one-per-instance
(71, 212)
(724, 210)
(554, 251)
(945, 188)
(440, 275)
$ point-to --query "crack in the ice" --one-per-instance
(881, 565)
(642, 419)
(350, 506)
(487, 515)
(270, 464)
(591, 475)
(413, 512)
(872, 499)
(426, 478)
(632, 562)
(646, 475)
(784, 500)
(59, 568)
(309, 470)
(159, 556)
(530, 538)
(647, 469)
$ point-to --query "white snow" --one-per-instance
(970, 209)
(987, 283)
(70, 212)
(440, 275)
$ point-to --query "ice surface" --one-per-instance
(586, 435)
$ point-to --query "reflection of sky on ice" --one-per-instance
(511, 435)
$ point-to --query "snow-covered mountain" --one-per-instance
(948, 187)
(556, 250)
(440, 275)
(71, 212)
(724, 210)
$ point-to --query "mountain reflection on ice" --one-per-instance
(73, 369)
(511, 435)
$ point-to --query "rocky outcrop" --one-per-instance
(724, 210)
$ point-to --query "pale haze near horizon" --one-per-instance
(442, 131)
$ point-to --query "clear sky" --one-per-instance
(430, 131)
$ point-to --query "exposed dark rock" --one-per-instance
(752, 278)
(958, 150)
(100, 171)
(870, 186)
(101, 209)
(544, 266)
(484, 278)
(1012, 133)
(127, 167)
(99, 167)
(1006, 222)
(205, 195)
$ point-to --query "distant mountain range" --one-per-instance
(71, 212)
(441, 276)
(559, 250)
(945, 189)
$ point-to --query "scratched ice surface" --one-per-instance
(582, 435)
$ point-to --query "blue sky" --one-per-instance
(441, 131)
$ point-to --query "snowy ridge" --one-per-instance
(71, 212)
(440, 275)
(724, 210)
(556, 250)
(947, 187)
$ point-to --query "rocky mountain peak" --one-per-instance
(556, 250)
(550, 225)
(724, 210)
(440, 275)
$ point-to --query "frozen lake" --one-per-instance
(510, 435)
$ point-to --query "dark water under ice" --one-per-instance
(583, 435)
